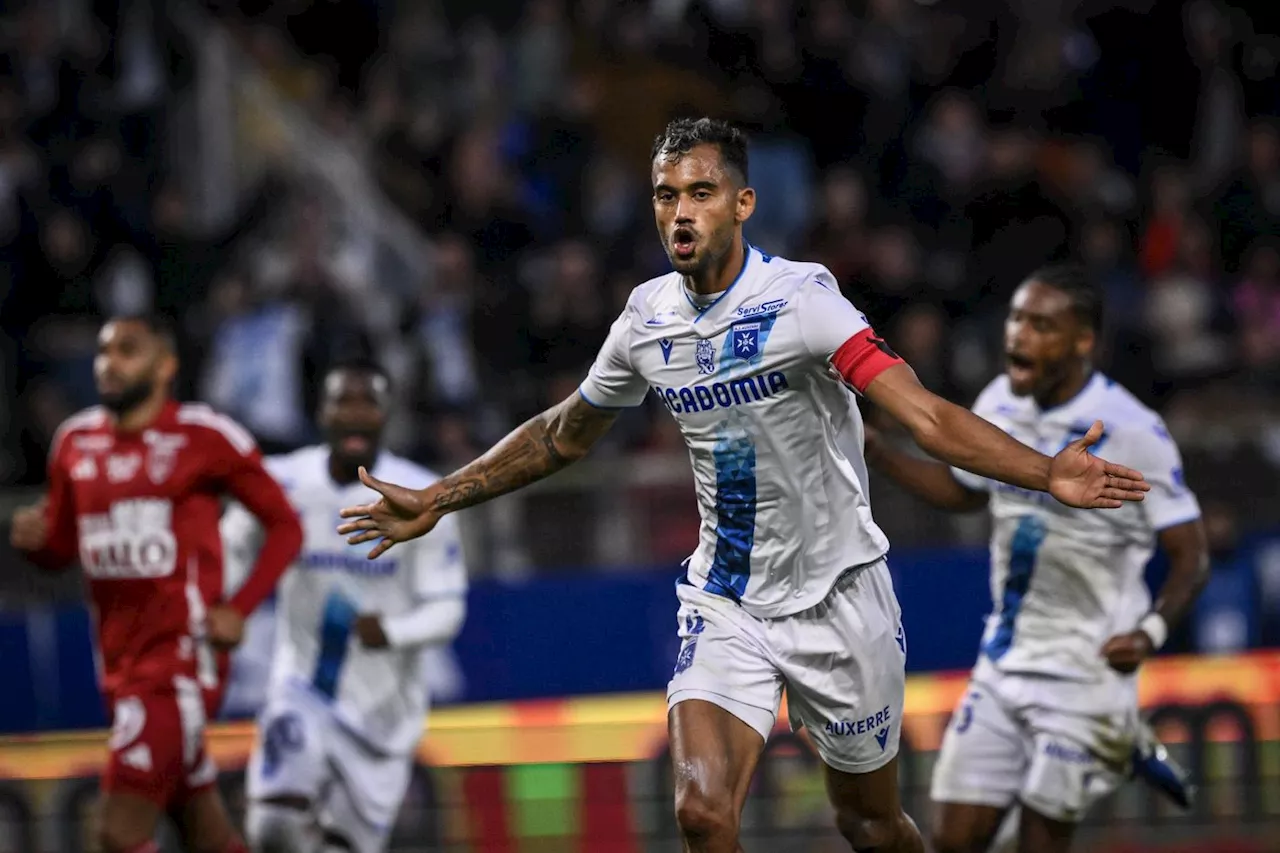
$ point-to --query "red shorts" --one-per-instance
(157, 743)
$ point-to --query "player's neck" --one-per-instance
(1068, 389)
(721, 276)
(142, 415)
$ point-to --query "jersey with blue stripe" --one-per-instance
(379, 694)
(774, 434)
(1065, 580)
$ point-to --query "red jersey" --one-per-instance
(140, 510)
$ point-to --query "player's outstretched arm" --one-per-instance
(927, 479)
(539, 448)
(960, 438)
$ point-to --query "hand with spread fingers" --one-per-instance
(1080, 479)
(399, 515)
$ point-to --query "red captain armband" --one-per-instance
(862, 358)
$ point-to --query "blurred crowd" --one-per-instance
(930, 154)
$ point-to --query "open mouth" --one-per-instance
(683, 242)
(355, 444)
(1019, 366)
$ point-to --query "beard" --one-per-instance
(128, 398)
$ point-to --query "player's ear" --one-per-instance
(746, 204)
(1086, 342)
(168, 367)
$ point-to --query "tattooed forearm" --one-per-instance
(537, 449)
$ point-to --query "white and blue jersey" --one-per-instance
(774, 433)
(418, 590)
(1065, 580)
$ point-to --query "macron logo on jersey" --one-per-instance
(722, 395)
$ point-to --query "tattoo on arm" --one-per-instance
(538, 448)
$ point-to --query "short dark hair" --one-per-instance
(682, 135)
(157, 325)
(358, 364)
(1087, 298)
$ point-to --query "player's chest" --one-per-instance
(1050, 436)
(325, 551)
(750, 363)
(104, 469)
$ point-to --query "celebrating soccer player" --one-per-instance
(1050, 720)
(135, 490)
(757, 359)
(345, 705)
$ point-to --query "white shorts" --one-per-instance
(842, 663)
(1025, 739)
(303, 751)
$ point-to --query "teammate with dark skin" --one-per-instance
(353, 413)
(1049, 356)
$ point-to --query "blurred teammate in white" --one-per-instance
(755, 357)
(1050, 720)
(348, 694)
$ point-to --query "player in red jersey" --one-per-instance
(135, 490)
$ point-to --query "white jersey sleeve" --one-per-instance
(1151, 450)
(613, 382)
(827, 319)
(439, 591)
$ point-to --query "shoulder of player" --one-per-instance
(776, 272)
(313, 457)
(1126, 411)
(202, 420)
(785, 284)
(653, 297)
(1128, 419)
(996, 395)
(85, 420)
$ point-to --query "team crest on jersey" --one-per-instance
(85, 469)
(706, 357)
(746, 340)
(666, 344)
(162, 455)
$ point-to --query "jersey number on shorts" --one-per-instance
(335, 632)
(966, 713)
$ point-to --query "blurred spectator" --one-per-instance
(254, 369)
(570, 315)
(838, 238)
(1257, 309)
(540, 52)
(1250, 205)
(1226, 613)
(1184, 313)
(1170, 206)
